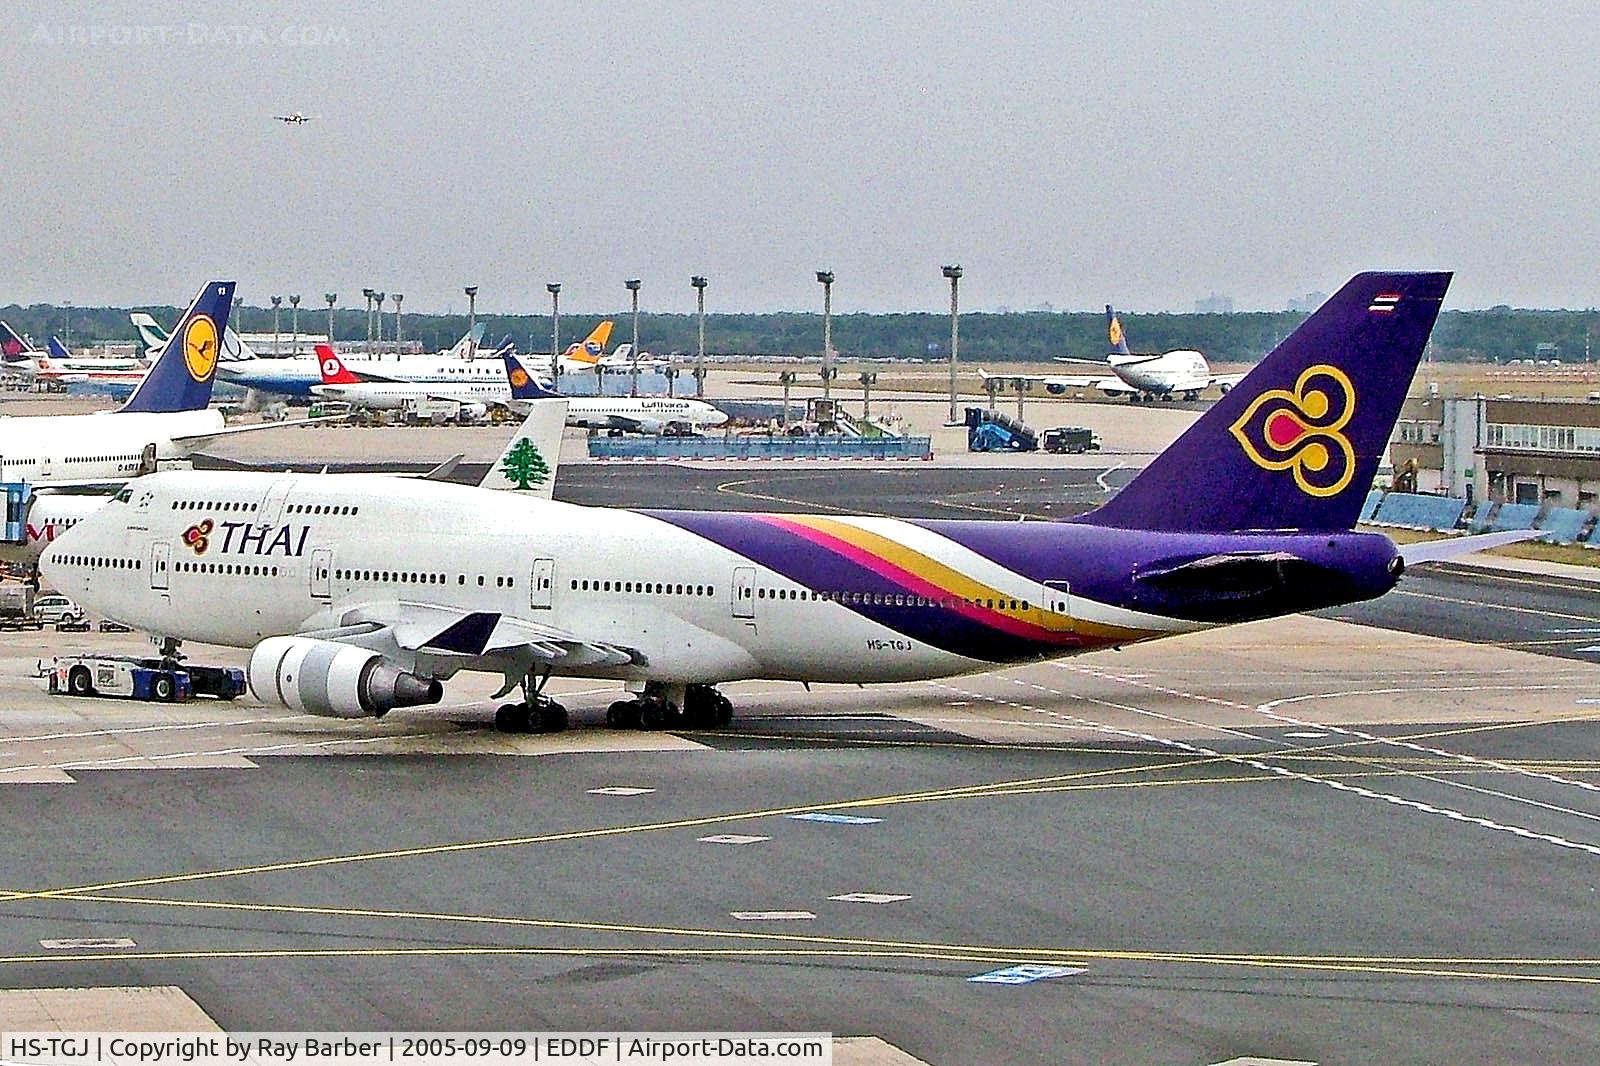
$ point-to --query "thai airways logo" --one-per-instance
(198, 536)
(1302, 431)
(200, 347)
(524, 467)
(519, 377)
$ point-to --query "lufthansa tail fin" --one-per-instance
(530, 461)
(1296, 443)
(181, 377)
(1114, 333)
(524, 386)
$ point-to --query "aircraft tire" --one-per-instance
(652, 714)
(511, 718)
(552, 718)
(624, 714)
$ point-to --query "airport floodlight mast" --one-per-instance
(332, 298)
(554, 289)
(472, 316)
(867, 379)
(786, 379)
(954, 274)
(377, 307)
(826, 278)
(294, 324)
(277, 301)
(699, 283)
(368, 294)
(632, 285)
(398, 299)
(69, 328)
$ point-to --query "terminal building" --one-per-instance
(1540, 452)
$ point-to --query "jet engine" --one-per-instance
(333, 680)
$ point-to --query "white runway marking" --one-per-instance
(86, 942)
(620, 790)
(731, 838)
(1280, 771)
(868, 897)
(772, 916)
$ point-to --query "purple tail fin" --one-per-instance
(1296, 443)
(181, 377)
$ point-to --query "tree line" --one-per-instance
(1495, 335)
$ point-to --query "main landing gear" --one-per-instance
(660, 707)
(536, 713)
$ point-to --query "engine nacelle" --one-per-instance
(324, 677)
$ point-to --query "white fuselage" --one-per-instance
(107, 446)
(288, 554)
(50, 515)
(1175, 371)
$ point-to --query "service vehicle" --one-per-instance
(159, 680)
(56, 609)
(1070, 440)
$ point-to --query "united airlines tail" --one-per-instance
(181, 377)
(1296, 443)
(524, 386)
(1114, 334)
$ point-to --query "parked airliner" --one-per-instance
(617, 414)
(298, 376)
(1167, 376)
(375, 390)
(167, 416)
(1249, 515)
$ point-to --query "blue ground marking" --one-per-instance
(1026, 974)
(837, 819)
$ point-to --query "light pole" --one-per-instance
(954, 274)
(1021, 385)
(398, 299)
(472, 317)
(699, 283)
(671, 374)
(69, 329)
(867, 379)
(554, 289)
(276, 301)
(294, 324)
(377, 307)
(786, 379)
(368, 294)
(332, 298)
(826, 278)
(632, 285)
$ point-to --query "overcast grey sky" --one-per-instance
(1071, 154)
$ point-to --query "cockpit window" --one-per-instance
(125, 495)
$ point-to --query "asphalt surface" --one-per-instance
(1346, 853)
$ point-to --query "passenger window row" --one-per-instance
(236, 569)
(646, 588)
(417, 577)
(102, 562)
(213, 505)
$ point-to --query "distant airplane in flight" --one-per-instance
(295, 118)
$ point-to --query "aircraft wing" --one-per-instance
(225, 431)
(455, 639)
(1226, 381)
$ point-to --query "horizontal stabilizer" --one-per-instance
(1433, 551)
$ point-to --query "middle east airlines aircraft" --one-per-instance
(619, 414)
(1166, 375)
(1250, 514)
